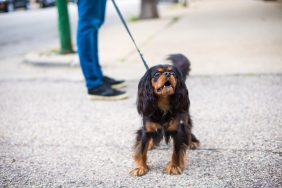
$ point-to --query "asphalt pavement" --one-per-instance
(51, 135)
(17, 37)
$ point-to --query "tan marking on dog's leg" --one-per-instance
(194, 142)
(140, 159)
(172, 126)
(177, 163)
(151, 126)
(194, 145)
(151, 144)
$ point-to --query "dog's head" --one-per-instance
(163, 80)
(159, 82)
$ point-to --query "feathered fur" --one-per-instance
(163, 102)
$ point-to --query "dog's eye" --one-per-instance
(157, 74)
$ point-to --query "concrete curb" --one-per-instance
(53, 59)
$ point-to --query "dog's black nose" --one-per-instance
(167, 73)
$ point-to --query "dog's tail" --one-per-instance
(181, 62)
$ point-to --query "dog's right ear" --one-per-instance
(146, 98)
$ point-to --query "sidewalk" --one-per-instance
(220, 38)
(51, 135)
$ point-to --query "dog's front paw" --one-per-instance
(139, 171)
(173, 169)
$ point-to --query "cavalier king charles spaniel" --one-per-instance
(163, 103)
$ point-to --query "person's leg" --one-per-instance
(91, 17)
(91, 14)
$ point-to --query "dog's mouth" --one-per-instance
(167, 85)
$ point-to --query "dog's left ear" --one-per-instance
(180, 100)
(146, 98)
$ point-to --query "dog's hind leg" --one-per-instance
(151, 144)
(156, 139)
(195, 143)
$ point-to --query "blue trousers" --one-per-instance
(91, 14)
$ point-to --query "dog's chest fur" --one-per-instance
(164, 113)
(164, 104)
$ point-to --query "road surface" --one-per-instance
(25, 31)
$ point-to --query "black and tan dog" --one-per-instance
(163, 102)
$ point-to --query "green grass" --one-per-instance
(177, 6)
(134, 19)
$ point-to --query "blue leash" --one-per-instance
(129, 33)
